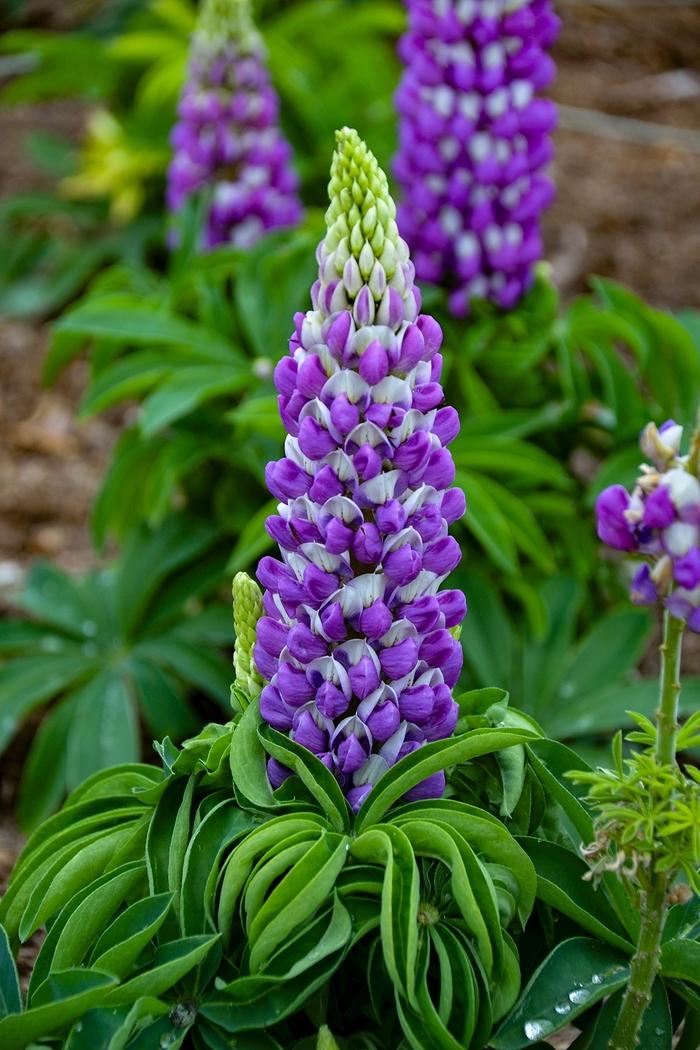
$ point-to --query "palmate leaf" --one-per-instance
(111, 649)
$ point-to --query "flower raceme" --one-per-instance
(474, 137)
(227, 139)
(660, 521)
(356, 641)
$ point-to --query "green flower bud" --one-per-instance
(326, 1040)
(247, 610)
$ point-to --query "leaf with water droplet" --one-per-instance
(565, 977)
(657, 1026)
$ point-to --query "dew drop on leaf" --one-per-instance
(562, 1008)
(537, 1029)
(580, 995)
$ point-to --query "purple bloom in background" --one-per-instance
(227, 140)
(357, 641)
(659, 521)
(474, 138)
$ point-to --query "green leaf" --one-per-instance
(78, 931)
(612, 648)
(487, 635)
(576, 975)
(681, 959)
(252, 541)
(171, 962)
(188, 388)
(488, 523)
(656, 1032)
(10, 996)
(390, 847)
(43, 783)
(560, 883)
(27, 682)
(125, 318)
(105, 730)
(311, 771)
(123, 941)
(429, 759)
(296, 898)
(248, 762)
(161, 700)
(221, 827)
(149, 558)
(73, 993)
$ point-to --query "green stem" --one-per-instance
(645, 962)
(670, 687)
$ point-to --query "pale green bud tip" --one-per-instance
(361, 207)
(221, 20)
(247, 610)
(326, 1040)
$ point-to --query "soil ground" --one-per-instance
(625, 209)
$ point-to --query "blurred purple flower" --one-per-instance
(474, 138)
(227, 141)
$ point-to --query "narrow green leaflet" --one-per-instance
(560, 883)
(10, 998)
(681, 958)
(577, 974)
(433, 757)
(73, 993)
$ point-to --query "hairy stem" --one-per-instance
(645, 962)
(670, 687)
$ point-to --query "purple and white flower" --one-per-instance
(474, 138)
(356, 641)
(227, 141)
(660, 522)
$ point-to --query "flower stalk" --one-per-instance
(646, 959)
(356, 641)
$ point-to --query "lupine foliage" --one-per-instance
(195, 904)
(119, 648)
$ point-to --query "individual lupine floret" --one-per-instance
(247, 610)
(474, 138)
(227, 141)
(356, 640)
(660, 522)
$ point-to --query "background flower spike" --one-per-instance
(356, 640)
(227, 141)
(474, 139)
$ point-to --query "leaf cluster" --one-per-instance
(647, 811)
(110, 652)
(194, 906)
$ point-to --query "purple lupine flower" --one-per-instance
(474, 138)
(660, 522)
(227, 140)
(356, 642)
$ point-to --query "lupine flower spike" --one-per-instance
(356, 639)
(474, 138)
(660, 522)
(227, 140)
(247, 610)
